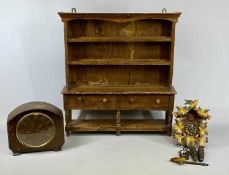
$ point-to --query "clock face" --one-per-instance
(35, 130)
(191, 129)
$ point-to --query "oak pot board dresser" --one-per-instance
(119, 61)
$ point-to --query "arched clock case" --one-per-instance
(35, 126)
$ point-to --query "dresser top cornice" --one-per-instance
(119, 17)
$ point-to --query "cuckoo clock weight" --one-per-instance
(35, 126)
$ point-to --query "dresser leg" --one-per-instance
(68, 118)
(68, 133)
(168, 119)
(118, 124)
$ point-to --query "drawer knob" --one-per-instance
(104, 100)
(79, 99)
(158, 101)
(132, 100)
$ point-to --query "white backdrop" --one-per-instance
(32, 50)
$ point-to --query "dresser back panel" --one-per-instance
(120, 75)
(120, 50)
(143, 27)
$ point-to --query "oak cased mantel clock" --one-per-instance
(35, 126)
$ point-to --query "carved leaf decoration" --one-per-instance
(203, 113)
(202, 141)
(190, 140)
(192, 103)
(188, 102)
(203, 131)
(182, 110)
(178, 160)
(179, 138)
(203, 128)
(203, 124)
(179, 126)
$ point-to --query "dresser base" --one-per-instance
(118, 99)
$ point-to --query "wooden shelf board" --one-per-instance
(108, 61)
(99, 89)
(92, 125)
(127, 125)
(121, 39)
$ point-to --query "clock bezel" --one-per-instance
(43, 144)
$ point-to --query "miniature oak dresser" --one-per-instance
(119, 61)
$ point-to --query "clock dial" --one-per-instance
(191, 128)
(35, 129)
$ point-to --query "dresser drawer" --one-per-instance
(144, 102)
(93, 102)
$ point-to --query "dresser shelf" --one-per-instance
(159, 62)
(120, 89)
(121, 39)
(108, 125)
